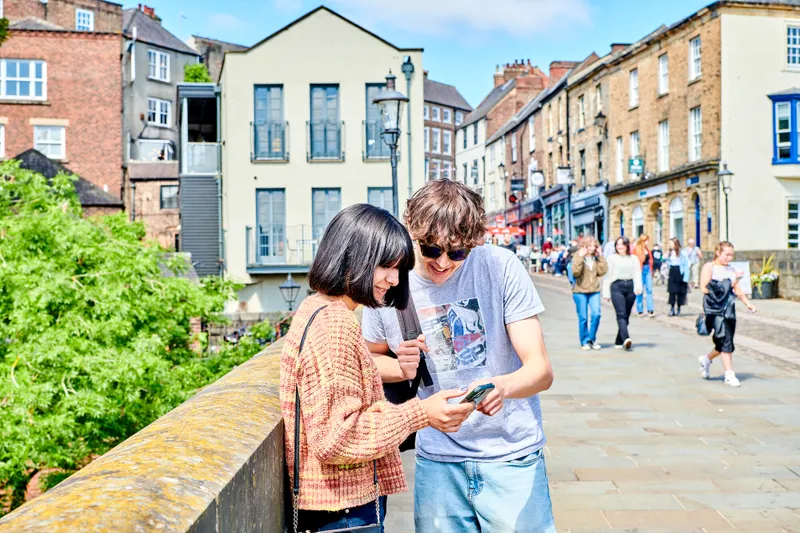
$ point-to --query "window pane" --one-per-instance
(24, 69)
(11, 69)
(784, 152)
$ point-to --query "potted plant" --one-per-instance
(765, 282)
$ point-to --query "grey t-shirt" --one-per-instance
(464, 322)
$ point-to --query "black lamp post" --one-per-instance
(725, 176)
(390, 106)
(289, 290)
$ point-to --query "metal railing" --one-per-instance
(269, 141)
(278, 244)
(202, 158)
(325, 140)
(373, 145)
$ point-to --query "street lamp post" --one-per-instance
(390, 106)
(725, 176)
(289, 290)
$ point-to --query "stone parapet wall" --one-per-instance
(213, 464)
(787, 262)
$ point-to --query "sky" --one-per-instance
(464, 40)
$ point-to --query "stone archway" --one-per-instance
(655, 221)
(695, 220)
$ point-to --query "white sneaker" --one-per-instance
(586, 347)
(627, 344)
(617, 346)
(596, 346)
(705, 364)
(730, 379)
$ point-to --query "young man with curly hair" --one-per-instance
(478, 308)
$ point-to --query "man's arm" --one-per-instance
(405, 366)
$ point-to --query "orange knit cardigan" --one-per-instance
(346, 420)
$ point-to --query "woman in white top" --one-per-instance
(720, 285)
(621, 285)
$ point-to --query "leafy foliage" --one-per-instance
(197, 73)
(3, 30)
(95, 333)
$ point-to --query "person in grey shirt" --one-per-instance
(478, 308)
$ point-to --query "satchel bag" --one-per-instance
(701, 325)
(398, 393)
(296, 482)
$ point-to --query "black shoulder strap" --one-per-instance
(411, 329)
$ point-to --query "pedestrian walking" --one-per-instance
(658, 262)
(621, 285)
(477, 308)
(678, 284)
(695, 256)
(642, 251)
(588, 267)
(339, 426)
(536, 260)
(609, 249)
(720, 286)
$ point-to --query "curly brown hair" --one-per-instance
(447, 213)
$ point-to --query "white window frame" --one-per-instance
(560, 115)
(426, 112)
(63, 143)
(695, 134)
(787, 107)
(633, 100)
(447, 139)
(598, 97)
(155, 64)
(550, 120)
(447, 171)
(492, 157)
(89, 22)
(793, 221)
(447, 116)
(634, 143)
(2, 126)
(663, 74)
(459, 118)
(531, 134)
(620, 161)
(31, 79)
(427, 139)
(663, 146)
(158, 112)
(513, 147)
(434, 169)
(793, 46)
(695, 55)
(436, 114)
(581, 112)
(436, 141)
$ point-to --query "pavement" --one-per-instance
(637, 441)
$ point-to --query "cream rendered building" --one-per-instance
(302, 141)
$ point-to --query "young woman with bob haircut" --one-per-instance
(348, 438)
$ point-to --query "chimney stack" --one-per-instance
(498, 77)
(149, 11)
(616, 47)
(559, 68)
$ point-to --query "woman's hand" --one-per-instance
(444, 416)
(752, 308)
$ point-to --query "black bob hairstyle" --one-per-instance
(357, 241)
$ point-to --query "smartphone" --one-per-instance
(477, 394)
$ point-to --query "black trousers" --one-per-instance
(622, 297)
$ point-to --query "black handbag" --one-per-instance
(296, 482)
(701, 325)
(399, 393)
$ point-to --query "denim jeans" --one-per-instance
(588, 307)
(363, 515)
(472, 497)
(647, 291)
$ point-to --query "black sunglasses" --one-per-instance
(434, 252)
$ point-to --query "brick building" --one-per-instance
(212, 52)
(445, 110)
(61, 86)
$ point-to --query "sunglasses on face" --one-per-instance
(434, 252)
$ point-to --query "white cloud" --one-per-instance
(225, 21)
(519, 18)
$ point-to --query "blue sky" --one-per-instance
(463, 39)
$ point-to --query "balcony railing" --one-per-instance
(202, 158)
(275, 245)
(325, 140)
(154, 150)
(269, 141)
(374, 147)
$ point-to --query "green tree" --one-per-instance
(95, 335)
(197, 73)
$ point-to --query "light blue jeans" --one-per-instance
(475, 497)
(588, 308)
(647, 291)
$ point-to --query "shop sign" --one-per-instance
(636, 165)
(655, 190)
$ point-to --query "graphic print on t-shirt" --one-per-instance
(455, 336)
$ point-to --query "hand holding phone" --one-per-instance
(476, 395)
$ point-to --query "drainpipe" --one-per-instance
(133, 201)
(408, 69)
(221, 241)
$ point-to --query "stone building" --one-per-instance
(444, 111)
(212, 53)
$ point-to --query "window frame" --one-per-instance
(31, 79)
(600, 161)
(531, 134)
(154, 68)
(459, 118)
(426, 112)
(2, 136)
(475, 134)
(792, 102)
(514, 147)
(695, 58)
(633, 88)
(695, 134)
(598, 95)
(581, 112)
(436, 141)
(314, 225)
(634, 135)
(582, 167)
(159, 112)
(63, 155)
(790, 221)
(663, 74)
(447, 115)
(78, 12)
(620, 170)
(383, 191)
(427, 139)
(789, 45)
(447, 169)
(436, 114)
(663, 145)
(448, 136)
(161, 196)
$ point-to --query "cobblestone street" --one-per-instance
(637, 441)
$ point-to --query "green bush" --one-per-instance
(197, 73)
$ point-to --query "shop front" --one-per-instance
(556, 214)
(588, 212)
